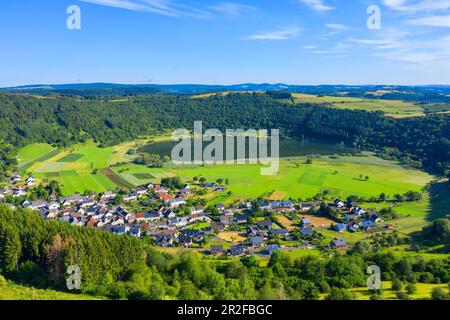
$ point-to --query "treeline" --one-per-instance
(38, 252)
(420, 142)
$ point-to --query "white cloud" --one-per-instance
(415, 6)
(317, 5)
(232, 9)
(337, 26)
(162, 7)
(276, 35)
(309, 47)
(431, 21)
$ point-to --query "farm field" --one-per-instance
(392, 108)
(339, 176)
(78, 168)
(233, 237)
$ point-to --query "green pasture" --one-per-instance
(298, 180)
(394, 108)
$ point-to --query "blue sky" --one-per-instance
(225, 42)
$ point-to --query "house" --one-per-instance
(306, 207)
(241, 218)
(31, 181)
(175, 203)
(185, 241)
(216, 249)
(19, 193)
(338, 203)
(340, 244)
(225, 220)
(305, 222)
(340, 227)
(53, 206)
(257, 241)
(220, 207)
(198, 210)
(217, 226)
(366, 224)
(135, 231)
(165, 197)
(108, 195)
(228, 212)
(374, 217)
(265, 224)
(271, 248)
(165, 240)
(169, 214)
(130, 197)
(237, 250)
(306, 232)
(280, 232)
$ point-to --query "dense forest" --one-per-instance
(63, 120)
(38, 252)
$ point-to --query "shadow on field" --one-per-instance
(439, 200)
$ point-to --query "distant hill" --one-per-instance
(427, 94)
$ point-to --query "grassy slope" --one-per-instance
(12, 291)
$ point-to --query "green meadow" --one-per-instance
(340, 176)
(392, 108)
(12, 291)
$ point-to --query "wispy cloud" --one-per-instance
(317, 5)
(337, 26)
(276, 35)
(162, 7)
(232, 8)
(414, 6)
(431, 21)
(309, 47)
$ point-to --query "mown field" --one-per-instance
(392, 108)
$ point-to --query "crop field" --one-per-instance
(392, 108)
(71, 157)
(286, 223)
(233, 237)
(72, 168)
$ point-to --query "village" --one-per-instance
(173, 214)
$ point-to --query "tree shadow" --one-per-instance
(439, 200)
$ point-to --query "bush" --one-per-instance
(339, 294)
(439, 294)
(402, 295)
(411, 288)
(396, 285)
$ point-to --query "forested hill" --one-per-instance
(64, 120)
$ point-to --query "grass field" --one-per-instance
(73, 167)
(393, 108)
(12, 291)
(423, 291)
(296, 179)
